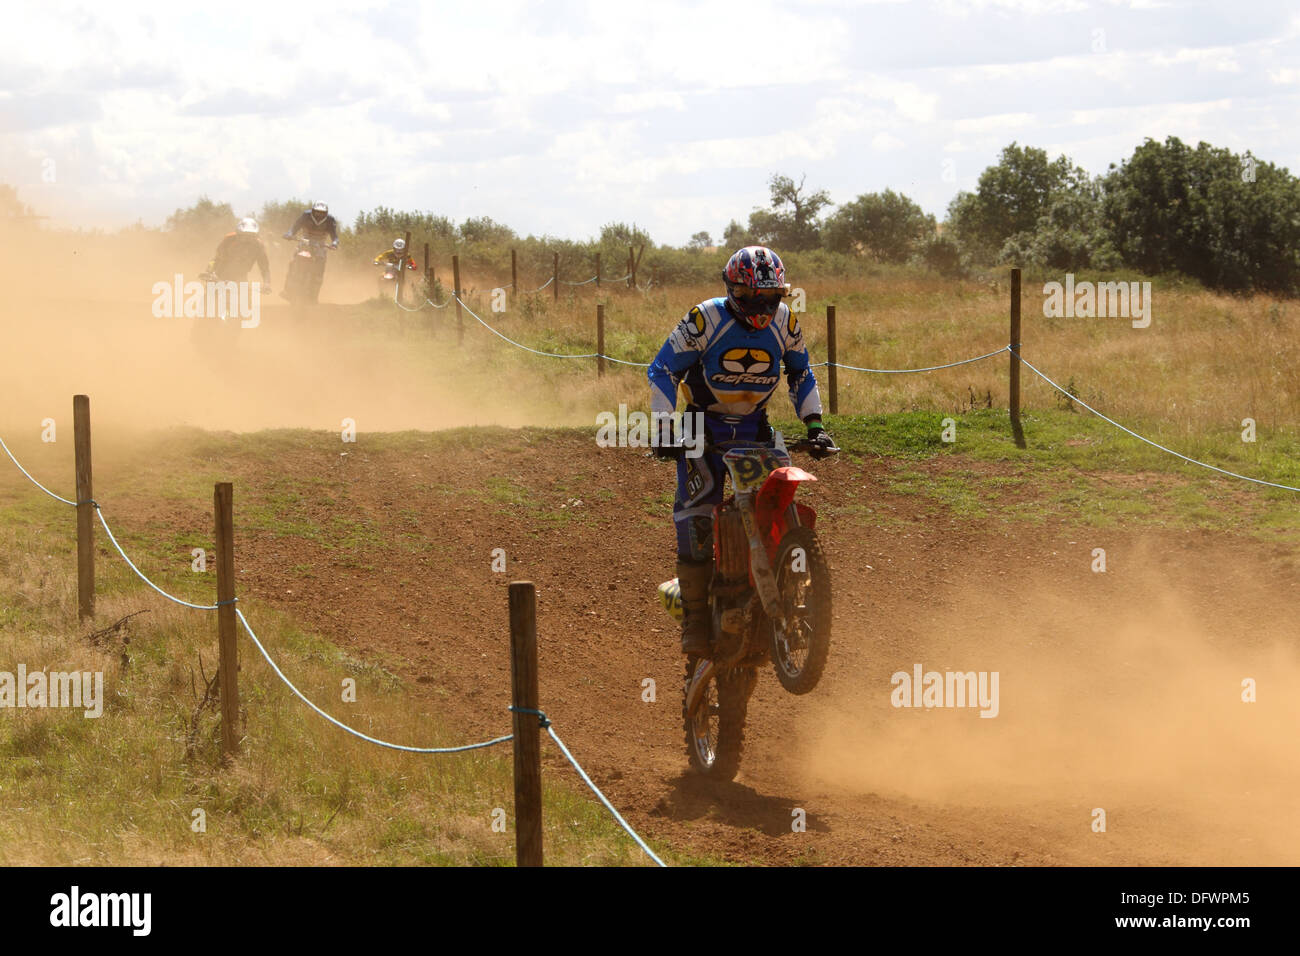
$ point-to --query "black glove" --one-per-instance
(668, 452)
(820, 440)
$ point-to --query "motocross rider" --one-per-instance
(396, 255)
(237, 252)
(726, 354)
(316, 223)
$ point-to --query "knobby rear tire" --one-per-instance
(723, 709)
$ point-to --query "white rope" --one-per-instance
(520, 345)
(140, 574)
(1193, 461)
(900, 371)
(342, 726)
(596, 790)
(33, 480)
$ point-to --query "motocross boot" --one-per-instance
(693, 578)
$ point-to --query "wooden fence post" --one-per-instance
(1016, 430)
(428, 273)
(85, 508)
(555, 278)
(514, 274)
(527, 727)
(631, 269)
(832, 358)
(600, 340)
(455, 279)
(228, 648)
(598, 270)
(401, 268)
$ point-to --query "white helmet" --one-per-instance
(319, 211)
(399, 245)
(247, 224)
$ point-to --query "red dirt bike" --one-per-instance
(770, 598)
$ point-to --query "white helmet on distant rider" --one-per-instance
(248, 225)
(319, 212)
(399, 245)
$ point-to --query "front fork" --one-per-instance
(759, 565)
(764, 583)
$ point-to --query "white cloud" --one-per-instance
(1000, 121)
(1222, 59)
(564, 116)
(647, 101)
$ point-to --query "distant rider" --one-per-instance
(726, 354)
(316, 223)
(237, 252)
(396, 255)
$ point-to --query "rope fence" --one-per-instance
(252, 635)
(1013, 348)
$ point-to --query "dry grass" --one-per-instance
(1206, 362)
(122, 789)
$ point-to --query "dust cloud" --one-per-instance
(1121, 691)
(78, 318)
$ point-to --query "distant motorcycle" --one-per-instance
(390, 279)
(306, 271)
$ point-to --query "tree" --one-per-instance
(701, 240)
(386, 220)
(485, 229)
(617, 237)
(1071, 234)
(279, 216)
(622, 234)
(203, 217)
(1011, 198)
(886, 226)
(735, 236)
(792, 221)
(1230, 221)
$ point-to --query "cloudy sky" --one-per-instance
(557, 117)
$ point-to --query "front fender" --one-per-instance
(773, 500)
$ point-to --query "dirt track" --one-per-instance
(1118, 690)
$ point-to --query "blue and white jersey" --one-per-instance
(730, 370)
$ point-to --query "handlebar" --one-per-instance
(804, 444)
(801, 445)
